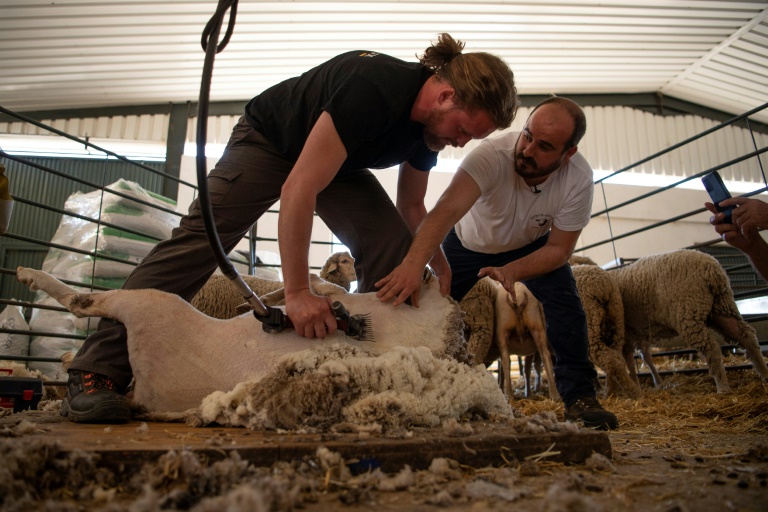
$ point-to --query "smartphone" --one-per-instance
(717, 192)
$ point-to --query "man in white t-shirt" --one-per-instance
(513, 212)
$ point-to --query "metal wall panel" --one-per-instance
(148, 127)
(14, 255)
(616, 137)
(34, 184)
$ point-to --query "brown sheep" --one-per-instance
(221, 299)
(521, 329)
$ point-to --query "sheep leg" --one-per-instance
(317, 284)
(542, 345)
(539, 369)
(479, 340)
(597, 354)
(274, 298)
(743, 334)
(547, 359)
(628, 351)
(705, 341)
(527, 363)
(647, 356)
(505, 369)
(616, 375)
(79, 304)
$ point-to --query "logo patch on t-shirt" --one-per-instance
(542, 219)
(368, 54)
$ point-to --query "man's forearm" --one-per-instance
(294, 232)
(429, 236)
(538, 263)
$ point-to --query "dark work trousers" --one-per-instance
(564, 313)
(245, 183)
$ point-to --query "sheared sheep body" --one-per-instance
(179, 355)
(687, 294)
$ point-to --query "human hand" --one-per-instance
(503, 277)
(310, 314)
(442, 271)
(444, 279)
(730, 233)
(750, 214)
(403, 282)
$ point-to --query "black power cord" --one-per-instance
(273, 317)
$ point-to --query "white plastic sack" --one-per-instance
(135, 190)
(154, 223)
(116, 241)
(13, 344)
(47, 320)
(43, 346)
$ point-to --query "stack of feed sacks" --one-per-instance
(95, 266)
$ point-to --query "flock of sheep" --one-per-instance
(676, 297)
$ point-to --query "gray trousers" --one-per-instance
(245, 183)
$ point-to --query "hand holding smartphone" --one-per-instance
(713, 183)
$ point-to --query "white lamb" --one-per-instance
(521, 329)
(684, 294)
(220, 298)
(181, 356)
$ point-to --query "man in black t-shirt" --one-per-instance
(309, 142)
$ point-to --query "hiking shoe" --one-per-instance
(93, 398)
(590, 413)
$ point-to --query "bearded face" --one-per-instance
(542, 146)
(452, 125)
(432, 125)
(531, 167)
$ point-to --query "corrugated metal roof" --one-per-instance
(89, 53)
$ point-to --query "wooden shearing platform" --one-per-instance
(128, 446)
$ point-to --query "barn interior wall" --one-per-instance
(616, 137)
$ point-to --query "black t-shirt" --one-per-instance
(369, 97)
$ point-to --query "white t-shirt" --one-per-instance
(508, 214)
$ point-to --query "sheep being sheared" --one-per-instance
(686, 294)
(601, 298)
(179, 355)
(521, 329)
(220, 298)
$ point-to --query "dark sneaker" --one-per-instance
(588, 412)
(93, 398)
